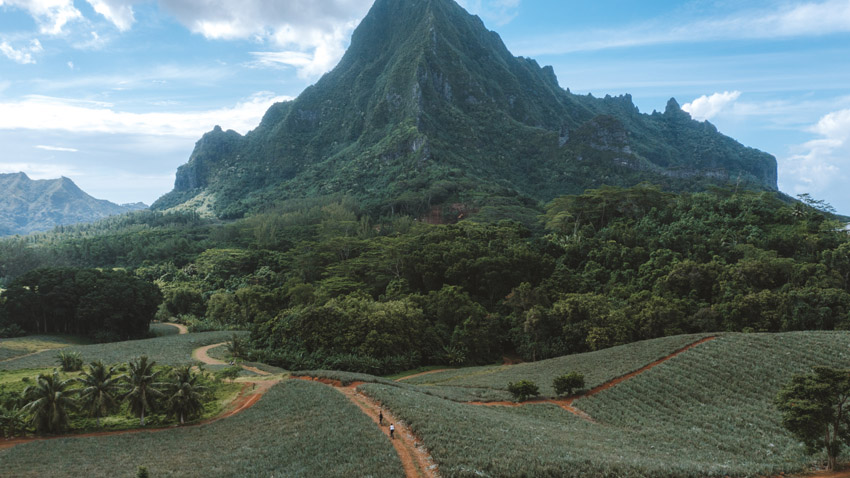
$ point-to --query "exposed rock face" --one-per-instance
(427, 101)
(28, 205)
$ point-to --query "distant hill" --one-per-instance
(428, 109)
(28, 205)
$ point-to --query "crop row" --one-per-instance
(298, 429)
(704, 413)
(598, 367)
(169, 349)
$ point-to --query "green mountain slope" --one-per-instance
(428, 107)
(28, 205)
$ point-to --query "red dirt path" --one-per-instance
(250, 394)
(415, 459)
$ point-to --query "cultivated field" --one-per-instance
(706, 412)
(11, 348)
(298, 429)
(169, 349)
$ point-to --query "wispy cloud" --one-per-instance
(51, 15)
(707, 107)
(818, 164)
(314, 32)
(119, 12)
(39, 170)
(784, 21)
(49, 113)
(57, 148)
(23, 55)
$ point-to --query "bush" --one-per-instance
(523, 390)
(70, 361)
(229, 373)
(565, 384)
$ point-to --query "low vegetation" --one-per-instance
(298, 429)
(166, 350)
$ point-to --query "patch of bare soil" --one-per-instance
(415, 459)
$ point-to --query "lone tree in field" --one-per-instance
(100, 389)
(144, 390)
(50, 400)
(523, 390)
(816, 409)
(185, 394)
(565, 384)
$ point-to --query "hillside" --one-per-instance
(28, 205)
(704, 412)
(428, 109)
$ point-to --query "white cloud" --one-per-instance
(707, 107)
(783, 21)
(818, 164)
(313, 33)
(39, 171)
(119, 12)
(51, 15)
(48, 113)
(24, 55)
(57, 148)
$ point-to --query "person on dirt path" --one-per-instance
(381, 418)
(392, 430)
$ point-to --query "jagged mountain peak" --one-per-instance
(29, 205)
(427, 103)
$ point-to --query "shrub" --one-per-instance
(523, 390)
(565, 384)
(229, 373)
(70, 361)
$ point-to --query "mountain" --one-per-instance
(38, 205)
(429, 108)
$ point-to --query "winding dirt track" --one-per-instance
(415, 459)
(202, 355)
(250, 394)
(567, 403)
(182, 329)
(422, 373)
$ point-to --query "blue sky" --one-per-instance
(114, 93)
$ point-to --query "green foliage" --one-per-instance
(99, 389)
(565, 384)
(142, 472)
(144, 390)
(70, 361)
(184, 394)
(523, 390)
(104, 305)
(12, 420)
(49, 403)
(228, 373)
(816, 409)
(283, 434)
(169, 349)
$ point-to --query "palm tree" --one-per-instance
(100, 389)
(186, 395)
(50, 400)
(12, 421)
(144, 389)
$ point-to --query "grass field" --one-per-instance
(169, 349)
(298, 429)
(704, 413)
(160, 330)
